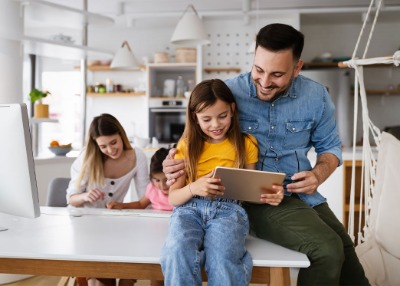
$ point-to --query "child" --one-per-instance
(156, 191)
(201, 220)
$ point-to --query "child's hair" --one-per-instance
(157, 160)
(204, 95)
(102, 125)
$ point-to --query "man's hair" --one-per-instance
(277, 37)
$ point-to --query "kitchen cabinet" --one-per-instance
(159, 77)
(166, 112)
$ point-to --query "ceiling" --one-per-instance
(152, 7)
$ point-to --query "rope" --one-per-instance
(368, 173)
(362, 29)
(372, 28)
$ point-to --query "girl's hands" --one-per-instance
(273, 197)
(114, 205)
(93, 196)
(207, 187)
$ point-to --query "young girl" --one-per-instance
(202, 221)
(156, 191)
(104, 170)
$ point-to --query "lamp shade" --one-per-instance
(124, 57)
(190, 30)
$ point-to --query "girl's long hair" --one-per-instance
(204, 95)
(93, 163)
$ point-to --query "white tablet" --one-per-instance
(247, 185)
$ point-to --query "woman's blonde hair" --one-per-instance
(92, 167)
(204, 95)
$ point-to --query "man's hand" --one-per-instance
(173, 168)
(208, 186)
(273, 197)
(307, 182)
(304, 182)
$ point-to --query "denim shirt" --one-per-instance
(289, 126)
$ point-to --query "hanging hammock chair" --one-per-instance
(378, 239)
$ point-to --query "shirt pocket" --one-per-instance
(248, 125)
(298, 134)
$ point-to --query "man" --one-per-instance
(289, 114)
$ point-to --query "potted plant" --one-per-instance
(40, 110)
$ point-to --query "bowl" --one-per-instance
(60, 151)
(141, 142)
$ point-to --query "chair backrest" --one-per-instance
(57, 191)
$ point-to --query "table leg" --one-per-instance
(280, 276)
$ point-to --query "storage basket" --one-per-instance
(185, 55)
(160, 58)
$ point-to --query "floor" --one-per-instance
(54, 281)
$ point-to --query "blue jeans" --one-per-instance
(209, 233)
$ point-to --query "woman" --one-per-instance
(104, 170)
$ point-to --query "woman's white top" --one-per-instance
(114, 189)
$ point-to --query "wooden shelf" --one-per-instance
(94, 94)
(383, 92)
(319, 65)
(228, 70)
(107, 68)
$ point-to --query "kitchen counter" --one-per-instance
(347, 153)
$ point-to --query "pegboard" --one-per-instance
(228, 48)
(230, 41)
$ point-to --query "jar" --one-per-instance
(99, 88)
(180, 87)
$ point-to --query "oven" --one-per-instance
(167, 119)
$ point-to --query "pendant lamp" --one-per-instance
(190, 30)
(124, 57)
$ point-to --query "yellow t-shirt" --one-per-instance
(220, 154)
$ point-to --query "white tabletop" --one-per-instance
(95, 237)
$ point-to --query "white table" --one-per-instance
(96, 245)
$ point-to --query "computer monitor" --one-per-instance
(18, 187)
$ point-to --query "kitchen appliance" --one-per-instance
(167, 119)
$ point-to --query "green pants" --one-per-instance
(315, 232)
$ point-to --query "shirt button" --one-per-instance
(250, 128)
(272, 127)
(271, 147)
(273, 104)
(293, 129)
(276, 159)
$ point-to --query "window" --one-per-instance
(65, 104)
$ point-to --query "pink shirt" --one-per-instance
(159, 201)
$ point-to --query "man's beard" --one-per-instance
(278, 94)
